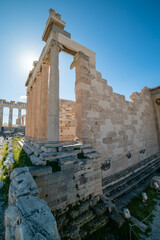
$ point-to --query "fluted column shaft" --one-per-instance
(53, 95)
(10, 117)
(19, 117)
(30, 113)
(38, 104)
(23, 119)
(43, 110)
(27, 115)
(33, 110)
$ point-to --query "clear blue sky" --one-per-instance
(125, 34)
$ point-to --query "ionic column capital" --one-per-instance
(45, 62)
(55, 43)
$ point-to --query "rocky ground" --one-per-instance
(2, 210)
(2, 203)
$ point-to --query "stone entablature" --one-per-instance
(11, 105)
(40, 91)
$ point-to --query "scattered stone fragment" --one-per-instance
(155, 179)
(22, 184)
(37, 161)
(27, 216)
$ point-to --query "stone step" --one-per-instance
(27, 150)
(117, 195)
(117, 186)
(56, 155)
(50, 156)
(61, 147)
(115, 178)
(37, 161)
(77, 146)
(34, 149)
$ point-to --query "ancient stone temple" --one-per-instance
(100, 138)
(90, 153)
(11, 105)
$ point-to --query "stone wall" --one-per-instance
(67, 121)
(123, 132)
(78, 179)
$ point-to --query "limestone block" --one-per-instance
(30, 218)
(27, 216)
(37, 161)
(22, 184)
(40, 171)
(99, 209)
(97, 223)
(84, 218)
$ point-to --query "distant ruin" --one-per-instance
(11, 105)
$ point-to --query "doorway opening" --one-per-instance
(67, 119)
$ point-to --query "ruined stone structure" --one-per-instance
(114, 140)
(155, 93)
(11, 105)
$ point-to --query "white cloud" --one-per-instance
(23, 97)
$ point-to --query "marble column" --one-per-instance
(33, 109)
(38, 104)
(19, 117)
(53, 94)
(1, 118)
(30, 113)
(27, 115)
(23, 120)
(10, 117)
(43, 109)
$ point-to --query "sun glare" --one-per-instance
(26, 61)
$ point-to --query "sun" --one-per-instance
(26, 61)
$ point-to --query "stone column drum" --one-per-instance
(30, 113)
(38, 104)
(19, 117)
(27, 115)
(10, 117)
(43, 110)
(34, 109)
(53, 95)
